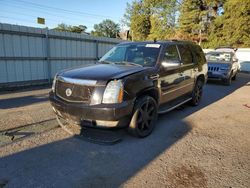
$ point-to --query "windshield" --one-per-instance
(133, 54)
(220, 56)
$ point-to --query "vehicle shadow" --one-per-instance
(23, 96)
(216, 90)
(74, 163)
(22, 101)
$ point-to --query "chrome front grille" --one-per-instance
(79, 93)
(212, 68)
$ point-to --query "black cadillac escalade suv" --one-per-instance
(130, 85)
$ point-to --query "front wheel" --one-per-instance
(144, 117)
(197, 93)
(234, 77)
(228, 81)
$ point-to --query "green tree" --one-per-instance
(214, 7)
(197, 17)
(107, 28)
(150, 19)
(78, 29)
(190, 20)
(137, 17)
(209, 22)
(163, 18)
(232, 27)
(69, 28)
(158, 28)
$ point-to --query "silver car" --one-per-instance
(222, 65)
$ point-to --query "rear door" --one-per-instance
(187, 68)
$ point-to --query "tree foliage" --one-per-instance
(233, 27)
(196, 17)
(107, 28)
(209, 22)
(163, 18)
(151, 19)
(190, 20)
(69, 28)
(138, 18)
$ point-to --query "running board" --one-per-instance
(169, 109)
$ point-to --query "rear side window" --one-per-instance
(199, 55)
(186, 54)
(171, 54)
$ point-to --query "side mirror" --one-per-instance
(170, 64)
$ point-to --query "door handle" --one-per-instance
(154, 77)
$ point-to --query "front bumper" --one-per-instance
(101, 115)
(216, 75)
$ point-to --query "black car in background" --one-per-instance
(222, 65)
(130, 85)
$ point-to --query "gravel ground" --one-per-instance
(204, 146)
(24, 107)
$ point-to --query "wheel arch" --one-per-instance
(202, 78)
(152, 92)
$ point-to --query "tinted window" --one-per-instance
(186, 55)
(200, 57)
(171, 54)
(141, 54)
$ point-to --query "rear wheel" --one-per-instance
(144, 117)
(197, 93)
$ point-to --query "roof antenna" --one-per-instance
(155, 40)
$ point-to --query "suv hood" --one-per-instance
(102, 72)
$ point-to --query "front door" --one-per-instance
(171, 78)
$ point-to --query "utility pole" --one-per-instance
(42, 21)
(200, 36)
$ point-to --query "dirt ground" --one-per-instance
(204, 146)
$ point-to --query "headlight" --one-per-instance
(113, 92)
(54, 84)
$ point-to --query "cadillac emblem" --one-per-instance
(68, 92)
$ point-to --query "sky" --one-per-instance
(72, 12)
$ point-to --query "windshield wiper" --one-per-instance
(128, 63)
(106, 62)
(120, 63)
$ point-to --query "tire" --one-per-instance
(144, 117)
(228, 81)
(234, 77)
(197, 93)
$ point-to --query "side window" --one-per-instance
(199, 54)
(171, 54)
(186, 54)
